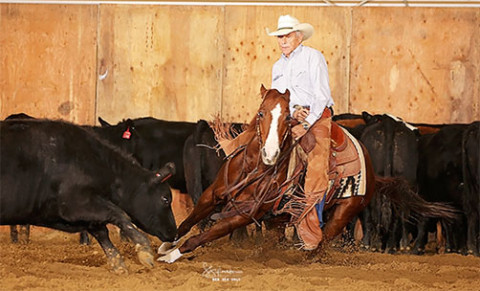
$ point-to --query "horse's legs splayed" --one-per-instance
(203, 208)
(221, 228)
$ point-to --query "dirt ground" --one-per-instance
(54, 260)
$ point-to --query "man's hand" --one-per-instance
(298, 131)
(301, 114)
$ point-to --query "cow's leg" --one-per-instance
(419, 246)
(24, 233)
(84, 239)
(404, 240)
(393, 235)
(220, 229)
(103, 211)
(367, 228)
(472, 234)
(13, 234)
(142, 244)
(114, 258)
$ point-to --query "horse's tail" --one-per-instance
(405, 200)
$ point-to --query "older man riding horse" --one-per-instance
(255, 176)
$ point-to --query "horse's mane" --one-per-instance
(226, 130)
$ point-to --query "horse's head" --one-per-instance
(273, 123)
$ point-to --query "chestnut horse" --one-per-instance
(253, 179)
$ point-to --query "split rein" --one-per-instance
(264, 193)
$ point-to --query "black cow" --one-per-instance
(22, 230)
(153, 142)
(62, 176)
(471, 181)
(392, 145)
(201, 159)
(440, 179)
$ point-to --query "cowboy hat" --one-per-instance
(287, 24)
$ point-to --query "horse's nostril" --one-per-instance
(264, 152)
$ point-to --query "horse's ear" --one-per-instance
(263, 90)
(286, 95)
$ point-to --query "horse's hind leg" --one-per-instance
(344, 212)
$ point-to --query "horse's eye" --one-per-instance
(260, 114)
(288, 117)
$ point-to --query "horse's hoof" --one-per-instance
(170, 257)
(165, 248)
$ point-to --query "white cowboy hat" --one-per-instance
(287, 24)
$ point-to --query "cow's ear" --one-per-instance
(103, 123)
(366, 116)
(164, 173)
(130, 123)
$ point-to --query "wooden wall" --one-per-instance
(48, 61)
(79, 62)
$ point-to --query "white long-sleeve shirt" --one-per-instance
(305, 75)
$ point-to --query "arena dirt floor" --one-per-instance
(54, 260)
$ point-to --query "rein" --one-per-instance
(266, 192)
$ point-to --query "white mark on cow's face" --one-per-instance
(271, 149)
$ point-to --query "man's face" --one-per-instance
(289, 42)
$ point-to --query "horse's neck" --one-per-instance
(251, 156)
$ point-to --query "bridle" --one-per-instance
(263, 191)
(259, 133)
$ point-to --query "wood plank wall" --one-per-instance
(79, 62)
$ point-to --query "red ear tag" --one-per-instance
(127, 133)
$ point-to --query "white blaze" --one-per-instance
(272, 146)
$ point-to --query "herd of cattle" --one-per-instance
(79, 178)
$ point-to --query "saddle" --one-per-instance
(344, 159)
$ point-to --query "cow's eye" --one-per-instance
(165, 200)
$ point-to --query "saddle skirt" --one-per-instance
(346, 166)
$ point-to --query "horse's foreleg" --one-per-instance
(221, 228)
(203, 208)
